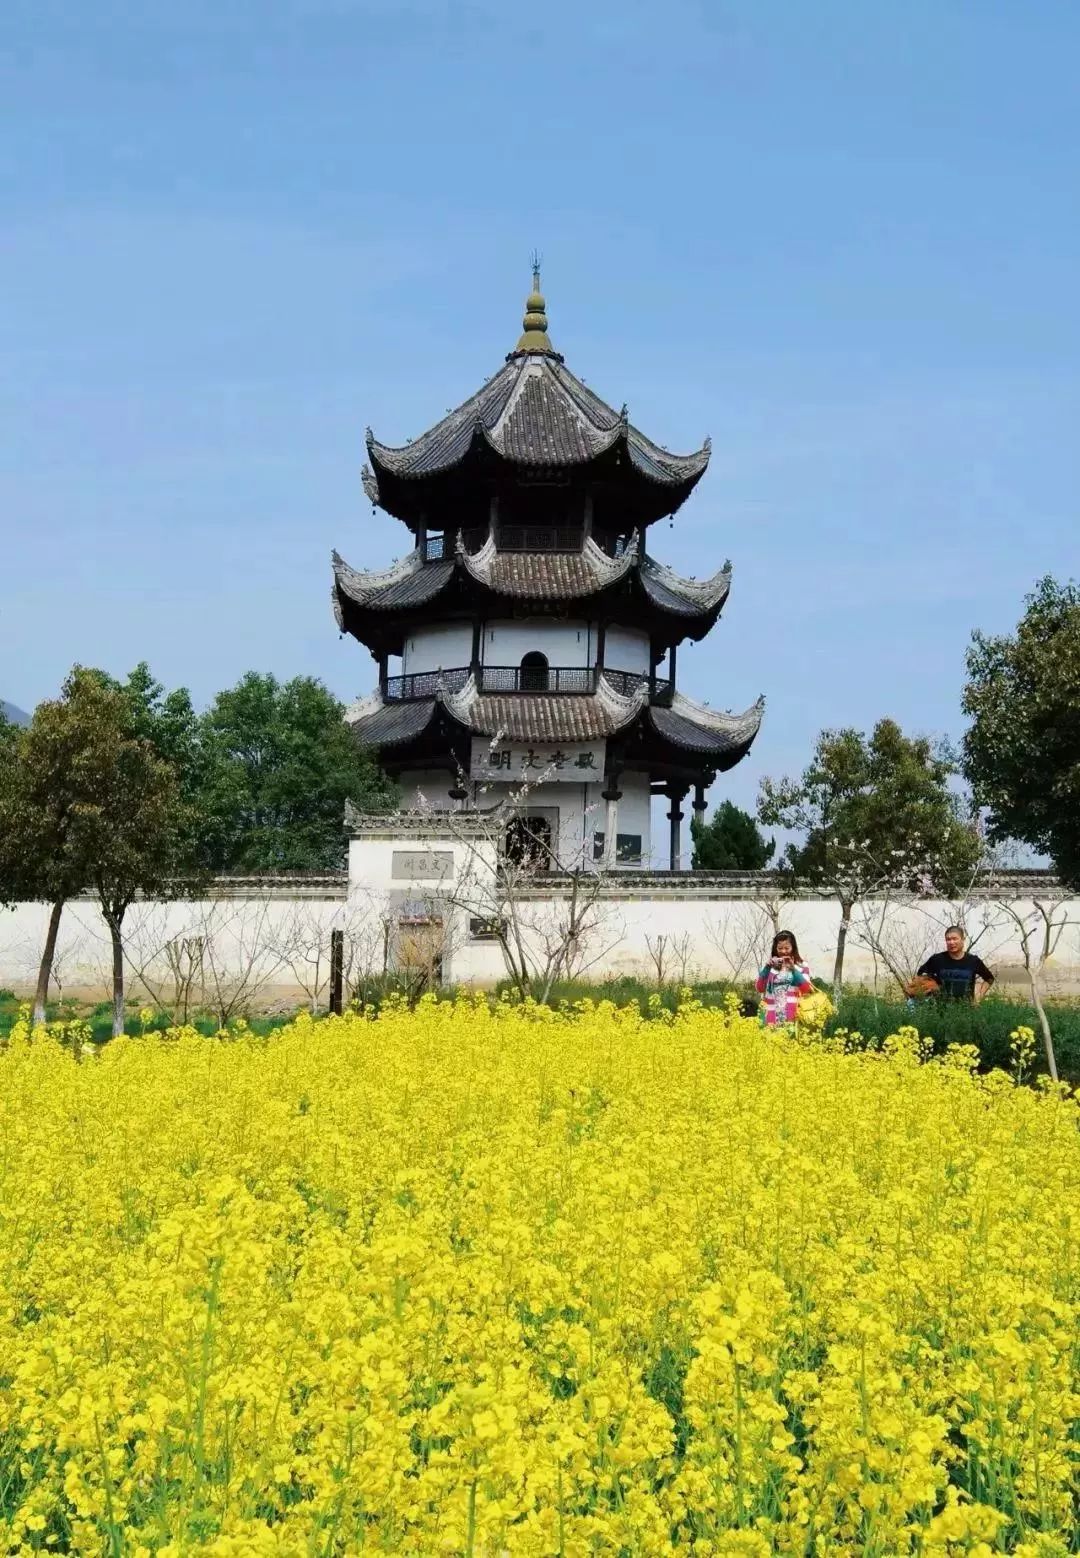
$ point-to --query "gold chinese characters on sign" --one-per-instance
(539, 762)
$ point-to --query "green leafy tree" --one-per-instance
(1021, 752)
(8, 741)
(52, 779)
(730, 841)
(280, 765)
(874, 814)
(87, 801)
(138, 838)
(169, 722)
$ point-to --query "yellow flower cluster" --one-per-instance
(494, 1280)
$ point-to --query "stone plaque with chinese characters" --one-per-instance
(540, 762)
(417, 865)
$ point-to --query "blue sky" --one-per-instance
(843, 239)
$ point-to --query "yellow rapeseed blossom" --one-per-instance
(484, 1279)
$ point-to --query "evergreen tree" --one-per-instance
(730, 841)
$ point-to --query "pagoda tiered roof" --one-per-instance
(532, 415)
(697, 728)
(376, 607)
(532, 499)
(684, 728)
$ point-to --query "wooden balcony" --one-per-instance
(424, 684)
(538, 538)
(562, 679)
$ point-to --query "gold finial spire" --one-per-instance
(535, 337)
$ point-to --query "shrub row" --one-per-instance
(987, 1026)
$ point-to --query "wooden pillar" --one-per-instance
(383, 667)
(421, 539)
(612, 795)
(474, 661)
(337, 972)
(671, 667)
(677, 794)
(601, 644)
(699, 808)
(493, 514)
(588, 513)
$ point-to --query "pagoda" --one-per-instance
(529, 634)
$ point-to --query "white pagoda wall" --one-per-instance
(581, 807)
(442, 646)
(627, 649)
(504, 642)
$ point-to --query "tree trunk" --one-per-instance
(41, 994)
(117, 976)
(841, 944)
(1044, 1024)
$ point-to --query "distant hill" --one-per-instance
(16, 716)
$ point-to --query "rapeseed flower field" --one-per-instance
(493, 1280)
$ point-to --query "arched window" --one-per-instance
(534, 672)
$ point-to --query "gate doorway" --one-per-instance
(529, 841)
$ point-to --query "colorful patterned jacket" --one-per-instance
(781, 990)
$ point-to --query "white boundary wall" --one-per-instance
(273, 934)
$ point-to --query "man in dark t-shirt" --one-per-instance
(961, 975)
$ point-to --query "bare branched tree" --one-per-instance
(895, 940)
(301, 942)
(682, 946)
(1039, 924)
(184, 955)
(670, 957)
(368, 949)
(239, 957)
(165, 960)
(743, 934)
(659, 950)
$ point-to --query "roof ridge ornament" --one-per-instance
(702, 593)
(363, 708)
(458, 703)
(361, 587)
(605, 568)
(721, 721)
(621, 707)
(534, 340)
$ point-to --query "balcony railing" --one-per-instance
(424, 684)
(538, 678)
(517, 678)
(520, 538)
(538, 538)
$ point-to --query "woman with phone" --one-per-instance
(783, 982)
